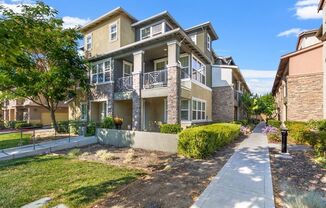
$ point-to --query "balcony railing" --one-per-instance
(155, 79)
(123, 84)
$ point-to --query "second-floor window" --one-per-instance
(209, 42)
(198, 71)
(101, 72)
(185, 68)
(152, 30)
(194, 38)
(127, 68)
(113, 31)
(89, 42)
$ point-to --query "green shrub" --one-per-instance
(274, 123)
(91, 129)
(274, 136)
(63, 127)
(170, 128)
(201, 142)
(37, 125)
(322, 125)
(296, 131)
(9, 124)
(22, 124)
(317, 139)
(75, 126)
(296, 199)
(108, 123)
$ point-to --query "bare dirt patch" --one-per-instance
(300, 173)
(171, 181)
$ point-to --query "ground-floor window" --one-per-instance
(84, 111)
(198, 110)
(185, 109)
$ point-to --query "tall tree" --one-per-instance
(39, 59)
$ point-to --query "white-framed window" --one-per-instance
(113, 31)
(127, 68)
(160, 64)
(198, 70)
(198, 110)
(104, 110)
(89, 42)
(194, 38)
(185, 66)
(152, 30)
(185, 110)
(101, 72)
(209, 40)
(83, 111)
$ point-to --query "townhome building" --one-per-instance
(26, 110)
(148, 72)
(228, 85)
(298, 85)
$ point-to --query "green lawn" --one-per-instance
(13, 140)
(67, 180)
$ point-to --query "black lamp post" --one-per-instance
(284, 132)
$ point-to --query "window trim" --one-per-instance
(163, 22)
(160, 60)
(209, 42)
(103, 72)
(124, 62)
(91, 41)
(189, 110)
(110, 32)
(192, 57)
(189, 64)
(196, 110)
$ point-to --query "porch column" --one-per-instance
(136, 96)
(174, 83)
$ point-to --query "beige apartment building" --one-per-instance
(148, 72)
(26, 110)
(298, 85)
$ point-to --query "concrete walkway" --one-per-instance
(245, 180)
(46, 147)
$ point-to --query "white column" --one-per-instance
(136, 96)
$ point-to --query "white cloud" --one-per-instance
(291, 32)
(71, 22)
(307, 9)
(15, 5)
(259, 81)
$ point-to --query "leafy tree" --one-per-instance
(267, 105)
(256, 105)
(247, 104)
(39, 59)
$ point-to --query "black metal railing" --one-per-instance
(123, 84)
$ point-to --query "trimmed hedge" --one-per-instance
(22, 124)
(108, 123)
(274, 123)
(170, 128)
(201, 142)
(296, 131)
(317, 139)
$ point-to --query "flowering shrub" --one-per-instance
(273, 134)
(245, 130)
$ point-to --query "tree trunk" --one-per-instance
(54, 121)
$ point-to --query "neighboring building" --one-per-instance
(148, 72)
(228, 85)
(26, 110)
(298, 85)
(322, 36)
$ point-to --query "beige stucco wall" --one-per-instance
(154, 113)
(100, 35)
(306, 63)
(123, 109)
(74, 106)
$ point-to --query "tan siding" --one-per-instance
(127, 34)
(204, 94)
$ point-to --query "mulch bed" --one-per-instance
(300, 173)
(177, 183)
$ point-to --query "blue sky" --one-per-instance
(256, 34)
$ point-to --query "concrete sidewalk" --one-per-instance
(245, 180)
(46, 147)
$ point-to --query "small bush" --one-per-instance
(108, 123)
(296, 131)
(106, 155)
(170, 128)
(74, 153)
(310, 199)
(75, 126)
(274, 123)
(322, 125)
(63, 126)
(201, 142)
(22, 124)
(91, 129)
(10, 124)
(37, 125)
(317, 139)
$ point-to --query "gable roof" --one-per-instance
(202, 25)
(118, 10)
(164, 14)
(306, 33)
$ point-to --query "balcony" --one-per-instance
(155, 79)
(123, 84)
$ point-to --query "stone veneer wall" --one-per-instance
(305, 97)
(223, 103)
